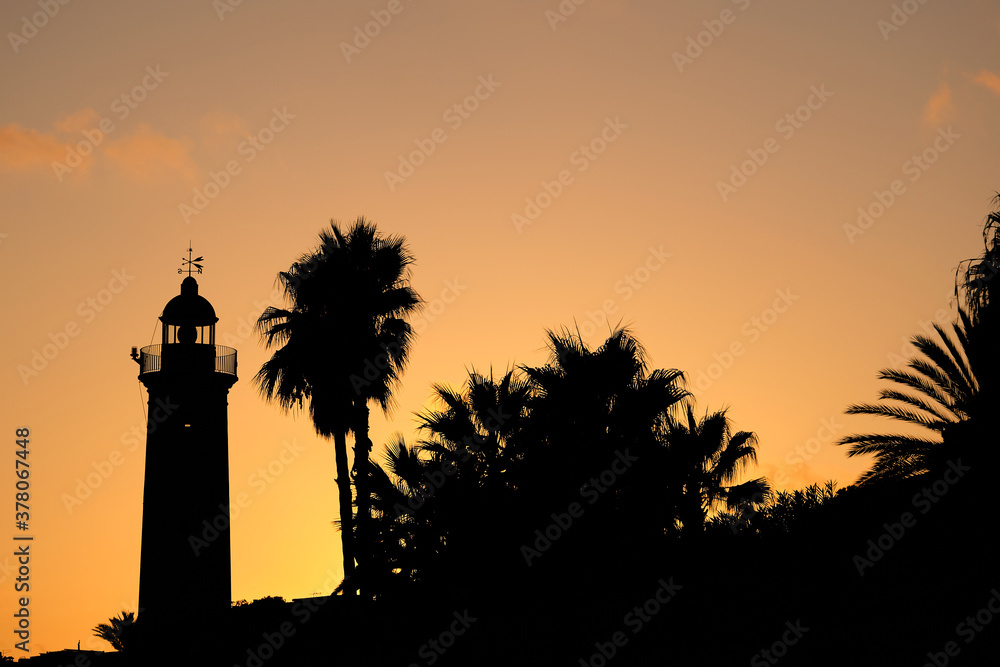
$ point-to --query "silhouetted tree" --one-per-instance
(117, 630)
(977, 288)
(344, 341)
(586, 404)
(974, 284)
(403, 509)
(943, 387)
(704, 461)
(782, 512)
(477, 430)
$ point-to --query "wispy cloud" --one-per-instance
(939, 107)
(147, 155)
(73, 123)
(24, 149)
(988, 80)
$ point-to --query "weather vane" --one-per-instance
(191, 262)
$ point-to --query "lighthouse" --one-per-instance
(184, 568)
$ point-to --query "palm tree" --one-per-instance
(342, 341)
(404, 515)
(943, 394)
(589, 407)
(975, 282)
(477, 429)
(705, 459)
(116, 631)
(600, 399)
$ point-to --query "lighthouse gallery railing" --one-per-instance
(151, 358)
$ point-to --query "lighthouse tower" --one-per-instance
(184, 570)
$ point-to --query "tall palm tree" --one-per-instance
(705, 459)
(943, 394)
(342, 342)
(116, 630)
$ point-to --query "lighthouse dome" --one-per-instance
(189, 308)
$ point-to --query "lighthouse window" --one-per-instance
(189, 334)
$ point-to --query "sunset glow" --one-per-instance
(773, 196)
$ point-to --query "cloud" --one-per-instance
(23, 149)
(144, 155)
(989, 80)
(72, 123)
(939, 107)
(147, 154)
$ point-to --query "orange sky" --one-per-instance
(696, 169)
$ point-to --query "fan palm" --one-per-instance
(588, 403)
(403, 514)
(590, 408)
(342, 342)
(477, 429)
(705, 459)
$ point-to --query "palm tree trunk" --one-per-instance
(346, 505)
(362, 481)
